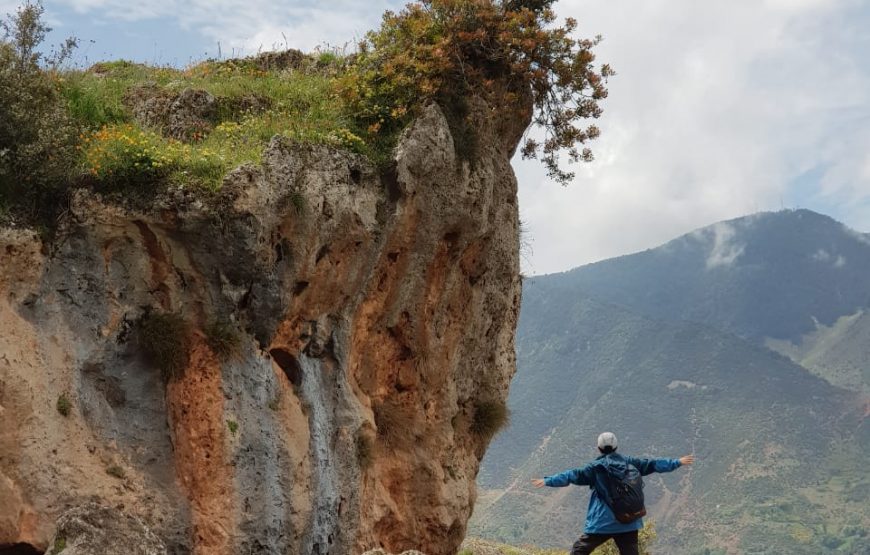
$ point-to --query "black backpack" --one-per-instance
(625, 492)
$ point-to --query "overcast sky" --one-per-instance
(720, 108)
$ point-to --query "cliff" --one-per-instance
(370, 322)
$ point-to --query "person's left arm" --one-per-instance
(648, 466)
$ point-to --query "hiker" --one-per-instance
(616, 506)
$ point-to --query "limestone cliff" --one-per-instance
(376, 313)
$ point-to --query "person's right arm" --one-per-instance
(577, 476)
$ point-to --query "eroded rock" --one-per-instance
(187, 115)
(93, 529)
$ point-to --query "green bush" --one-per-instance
(509, 53)
(233, 426)
(64, 406)
(37, 137)
(59, 545)
(124, 156)
(165, 338)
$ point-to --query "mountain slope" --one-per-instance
(780, 450)
(767, 275)
(840, 353)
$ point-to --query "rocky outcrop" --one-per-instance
(374, 316)
(186, 115)
(91, 529)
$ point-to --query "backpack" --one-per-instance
(625, 492)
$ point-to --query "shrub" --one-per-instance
(489, 417)
(165, 339)
(64, 406)
(116, 471)
(37, 137)
(124, 155)
(224, 339)
(59, 545)
(233, 426)
(392, 423)
(507, 52)
(365, 449)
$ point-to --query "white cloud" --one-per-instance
(717, 109)
(822, 255)
(724, 250)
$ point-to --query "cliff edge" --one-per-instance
(365, 325)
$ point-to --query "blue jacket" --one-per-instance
(599, 517)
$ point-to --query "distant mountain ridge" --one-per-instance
(673, 349)
(771, 274)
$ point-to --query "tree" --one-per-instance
(37, 136)
(507, 52)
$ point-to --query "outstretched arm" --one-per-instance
(577, 476)
(648, 466)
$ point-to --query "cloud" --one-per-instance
(717, 109)
(822, 255)
(724, 250)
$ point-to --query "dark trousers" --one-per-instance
(625, 542)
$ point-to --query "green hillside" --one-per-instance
(780, 450)
(840, 353)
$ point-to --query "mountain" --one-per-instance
(671, 349)
(773, 275)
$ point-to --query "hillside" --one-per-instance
(771, 275)
(778, 447)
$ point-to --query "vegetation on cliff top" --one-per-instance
(128, 128)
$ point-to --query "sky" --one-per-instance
(719, 108)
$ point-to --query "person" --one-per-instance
(601, 523)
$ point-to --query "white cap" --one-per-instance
(607, 439)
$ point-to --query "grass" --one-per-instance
(233, 426)
(116, 471)
(489, 418)
(224, 339)
(165, 339)
(64, 406)
(59, 545)
(299, 105)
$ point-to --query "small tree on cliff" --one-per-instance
(507, 52)
(37, 136)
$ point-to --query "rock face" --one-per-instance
(376, 316)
